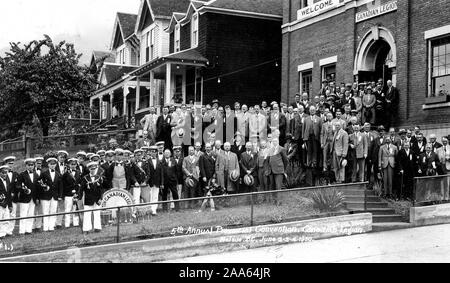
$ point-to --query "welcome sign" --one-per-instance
(316, 9)
(377, 11)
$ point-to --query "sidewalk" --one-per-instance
(424, 244)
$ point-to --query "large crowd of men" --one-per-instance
(188, 152)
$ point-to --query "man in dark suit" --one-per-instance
(428, 162)
(50, 193)
(91, 192)
(121, 174)
(207, 164)
(391, 102)
(297, 103)
(27, 187)
(407, 162)
(163, 128)
(277, 121)
(6, 228)
(248, 165)
(418, 145)
(178, 156)
(377, 144)
(155, 177)
(170, 179)
(297, 132)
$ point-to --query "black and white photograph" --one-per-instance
(234, 132)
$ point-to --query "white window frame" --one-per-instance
(194, 30)
(177, 40)
(300, 75)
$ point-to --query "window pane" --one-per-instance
(435, 71)
(441, 60)
(442, 86)
(436, 51)
(447, 59)
(435, 61)
(441, 70)
(447, 48)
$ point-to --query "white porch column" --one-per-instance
(184, 86)
(111, 100)
(152, 89)
(126, 91)
(91, 104)
(168, 96)
(138, 93)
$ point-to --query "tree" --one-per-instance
(43, 80)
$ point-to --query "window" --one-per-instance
(306, 82)
(306, 3)
(177, 38)
(440, 67)
(329, 73)
(194, 29)
(122, 57)
(150, 45)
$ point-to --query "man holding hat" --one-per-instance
(6, 228)
(227, 164)
(71, 189)
(51, 191)
(27, 187)
(191, 173)
(178, 156)
(169, 179)
(92, 190)
(249, 167)
(387, 163)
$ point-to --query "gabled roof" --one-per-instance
(159, 9)
(112, 73)
(123, 27)
(176, 19)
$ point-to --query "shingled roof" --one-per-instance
(127, 23)
(109, 57)
(115, 72)
(269, 7)
(167, 7)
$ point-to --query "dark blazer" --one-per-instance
(418, 150)
(407, 162)
(249, 163)
(425, 163)
(56, 186)
(156, 175)
(238, 150)
(207, 164)
(141, 173)
(169, 172)
(13, 187)
(59, 171)
(5, 194)
(129, 174)
(83, 170)
(179, 170)
(163, 128)
(92, 192)
(71, 183)
(310, 127)
(34, 186)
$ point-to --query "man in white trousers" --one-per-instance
(27, 188)
(51, 191)
(6, 228)
(91, 189)
(155, 180)
(71, 190)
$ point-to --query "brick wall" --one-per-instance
(340, 36)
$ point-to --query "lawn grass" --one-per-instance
(230, 213)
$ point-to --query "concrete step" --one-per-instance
(381, 211)
(353, 198)
(355, 192)
(359, 205)
(387, 218)
(380, 227)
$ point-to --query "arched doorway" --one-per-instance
(376, 56)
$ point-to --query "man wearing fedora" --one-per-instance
(227, 164)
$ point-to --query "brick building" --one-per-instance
(407, 42)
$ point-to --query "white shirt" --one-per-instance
(154, 162)
(52, 175)
(10, 175)
(61, 168)
(31, 176)
(5, 184)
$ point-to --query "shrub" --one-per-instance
(328, 200)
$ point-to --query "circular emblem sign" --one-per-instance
(116, 198)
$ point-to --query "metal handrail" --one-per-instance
(119, 208)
